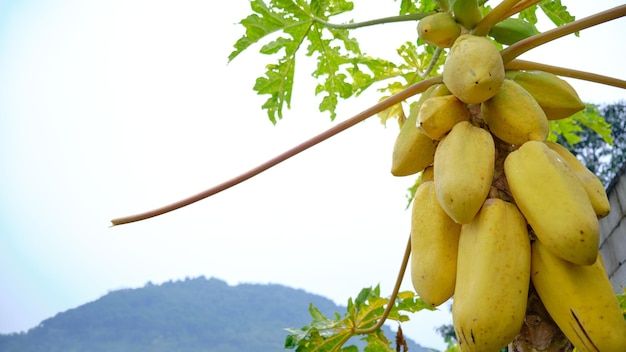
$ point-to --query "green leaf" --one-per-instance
(326, 334)
(593, 119)
(571, 127)
(556, 12)
(529, 14)
(290, 18)
(362, 297)
(408, 7)
(342, 70)
(621, 299)
(265, 21)
(377, 342)
(567, 128)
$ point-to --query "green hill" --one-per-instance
(187, 316)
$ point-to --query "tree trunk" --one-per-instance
(539, 332)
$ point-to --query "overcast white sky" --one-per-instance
(109, 108)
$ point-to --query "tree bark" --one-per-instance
(539, 332)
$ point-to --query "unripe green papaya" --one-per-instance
(557, 98)
(512, 30)
(473, 70)
(439, 29)
(467, 12)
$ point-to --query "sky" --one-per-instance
(110, 108)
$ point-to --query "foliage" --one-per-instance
(290, 26)
(603, 153)
(330, 334)
(340, 63)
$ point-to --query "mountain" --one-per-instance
(183, 316)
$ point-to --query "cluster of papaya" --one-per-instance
(499, 207)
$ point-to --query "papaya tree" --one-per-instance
(504, 220)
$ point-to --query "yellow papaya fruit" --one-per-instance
(413, 150)
(437, 115)
(514, 116)
(473, 70)
(428, 174)
(591, 183)
(493, 275)
(434, 247)
(439, 29)
(555, 204)
(557, 98)
(580, 300)
(463, 170)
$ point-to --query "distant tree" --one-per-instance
(600, 157)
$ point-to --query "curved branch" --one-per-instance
(402, 18)
(494, 16)
(536, 40)
(385, 104)
(394, 294)
(566, 72)
(521, 6)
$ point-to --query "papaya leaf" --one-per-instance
(529, 14)
(377, 342)
(414, 6)
(410, 192)
(286, 27)
(394, 112)
(408, 7)
(592, 118)
(362, 297)
(567, 128)
(325, 334)
(571, 127)
(557, 12)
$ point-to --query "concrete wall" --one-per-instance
(613, 232)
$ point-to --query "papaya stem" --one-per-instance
(567, 72)
(355, 25)
(385, 104)
(521, 6)
(432, 63)
(536, 40)
(394, 294)
(494, 16)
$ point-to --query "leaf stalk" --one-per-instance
(517, 49)
(342, 126)
(521, 6)
(566, 72)
(383, 20)
(494, 16)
